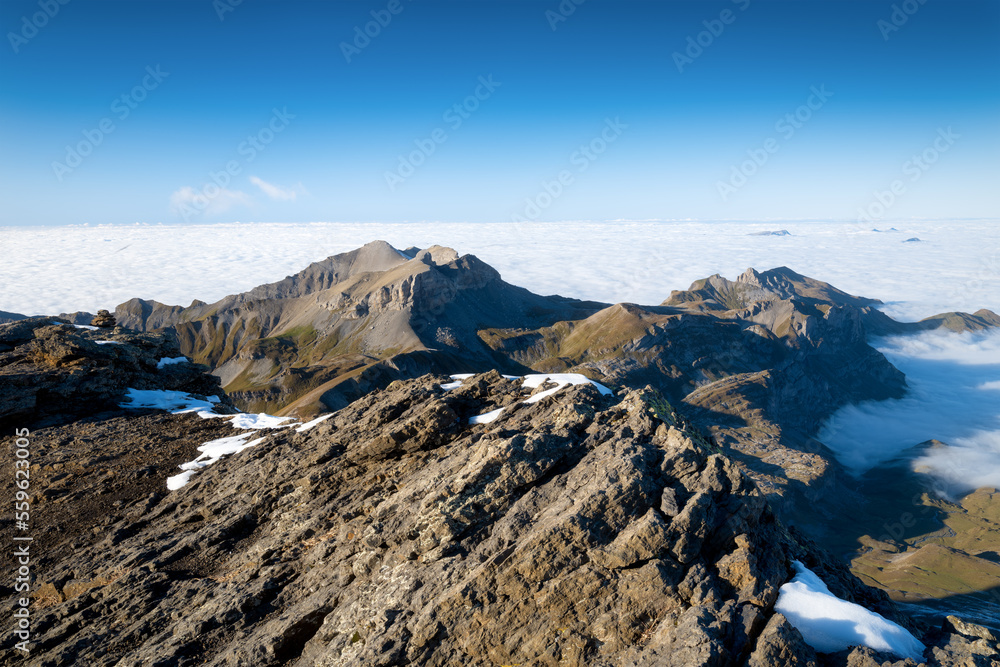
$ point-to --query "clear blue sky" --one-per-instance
(672, 135)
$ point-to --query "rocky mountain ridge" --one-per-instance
(354, 322)
(579, 529)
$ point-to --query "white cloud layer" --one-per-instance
(954, 396)
(957, 266)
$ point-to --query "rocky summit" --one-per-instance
(580, 529)
(483, 519)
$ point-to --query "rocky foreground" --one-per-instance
(581, 530)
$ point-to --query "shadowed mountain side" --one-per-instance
(341, 318)
(924, 549)
(6, 317)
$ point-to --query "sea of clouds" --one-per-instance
(954, 379)
(956, 265)
(954, 397)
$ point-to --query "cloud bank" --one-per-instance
(954, 397)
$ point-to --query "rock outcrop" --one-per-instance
(54, 373)
(580, 530)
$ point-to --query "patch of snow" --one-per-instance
(830, 624)
(257, 421)
(178, 481)
(167, 361)
(211, 451)
(561, 380)
(79, 326)
(531, 381)
(179, 402)
(460, 377)
(308, 425)
(108, 342)
(544, 394)
(486, 418)
(176, 402)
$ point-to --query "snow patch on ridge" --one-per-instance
(830, 624)
(179, 402)
(531, 381)
(211, 451)
(308, 425)
(487, 417)
(78, 326)
(258, 421)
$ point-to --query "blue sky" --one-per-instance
(604, 110)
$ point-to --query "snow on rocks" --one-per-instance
(79, 326)
(531, 381)
(176, 402)
(257, 421)
(486, 418)
(179, 402)
(166, 361)
(308, 425)
(561, 380)
(211, 451)
(214, 450)
(830, 624)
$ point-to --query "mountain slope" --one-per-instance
(343, 324)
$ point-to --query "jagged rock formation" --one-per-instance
(53, 373)
(759, 362)
(580, 530)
